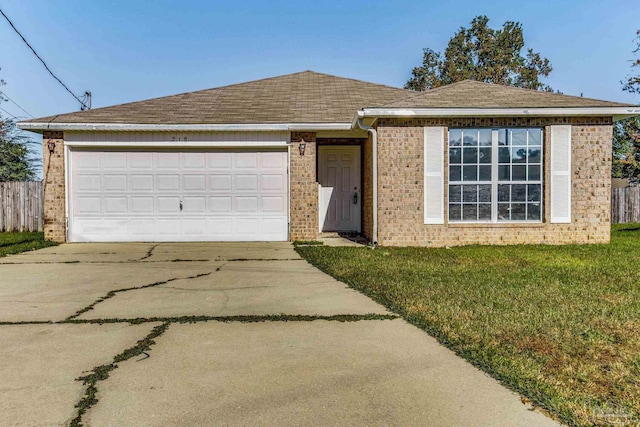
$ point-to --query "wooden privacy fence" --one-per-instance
(625, 205)
(21, 206)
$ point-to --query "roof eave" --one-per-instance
(617, 113)
(141, 127)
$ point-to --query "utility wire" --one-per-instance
(3, 94)
(84, 105)
(8, 113)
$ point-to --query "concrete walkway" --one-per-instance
(236, 334)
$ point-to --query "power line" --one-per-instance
(17, 105)
(8, 113)
(82, 103)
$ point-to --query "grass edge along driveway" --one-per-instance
(558, 324)
(14, 243)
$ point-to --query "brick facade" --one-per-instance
(400, 186)
(55, 222)
(303, 191)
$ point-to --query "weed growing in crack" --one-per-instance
(101, 373)
(113, 293)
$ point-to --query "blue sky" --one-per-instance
(131, 50)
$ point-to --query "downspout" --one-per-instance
(374, 143)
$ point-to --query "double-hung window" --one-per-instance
(495, 175)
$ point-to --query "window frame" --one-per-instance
(495, 182)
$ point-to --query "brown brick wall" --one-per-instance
(304, 188)
(400, 191)
(55, 223)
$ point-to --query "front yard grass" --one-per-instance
(558, 324)
(13, 243)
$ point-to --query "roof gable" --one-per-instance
(474, 94)
(305, 97)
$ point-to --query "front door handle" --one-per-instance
(180, 205)
(355, 198)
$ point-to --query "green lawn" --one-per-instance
(558, 324)
(13, 243)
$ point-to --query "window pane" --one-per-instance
(503, 211)
(502, 137)
(504, 155)
(470, 155)
(470, 193)
(470, 173)
(455, 212)
(534, 155)
(455, 173)
(485, 173)
(519, 173)
(455, 138)
(485, 155)
(533, 192)
(534, 173)
(518, 193)
(484, 212)
(470, 212)
(518, 211)
(519, 155)
(504, 173)
(535, 136)
(485, 137)
(470, 138)
(519, 137)
(455, 193)
(484, 194)
(533, 212)
(504, 193)
(455, 155)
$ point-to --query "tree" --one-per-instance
(483, 54)
(16, 159)
(626, 133)
(17, 162)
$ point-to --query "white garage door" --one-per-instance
(195, 195)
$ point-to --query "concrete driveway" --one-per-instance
(220, 334)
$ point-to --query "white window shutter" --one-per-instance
(560, 173)
(434, 175)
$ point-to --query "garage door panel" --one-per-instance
(194, 204)
(194, 183)
(88, 182)
(226, 195)
(217, 161)
(140, 161)
(114, 160)
(142, 205)
(221, 204)
(117, 205)
(220, 182)
(141, 182)
(116, 183)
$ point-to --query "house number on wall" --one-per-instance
(178, 139)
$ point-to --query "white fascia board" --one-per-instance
(267, 127)
(498, 112)
(171, 144)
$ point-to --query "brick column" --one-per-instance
(55, 226)
(304, 188)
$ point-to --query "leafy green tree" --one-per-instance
(626, 154)
(632, 83)
(17, 162)
(483, 54)
(626, 133)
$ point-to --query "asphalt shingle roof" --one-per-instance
(311, 97)
(305, 97)
(473, 94)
